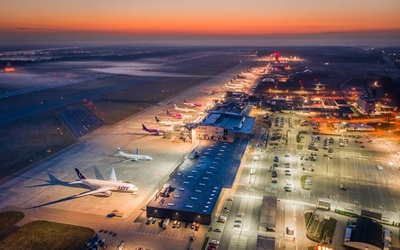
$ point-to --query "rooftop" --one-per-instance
(234, 123)
(197, 183)
(369, 232)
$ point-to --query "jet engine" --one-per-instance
(107, 193)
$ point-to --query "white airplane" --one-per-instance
(103, 186)
(167, 123)
(210, 92)
(192, 104)
(184, 109)
(241, 81)
(133, 157)
(235, 84)
(234, 87)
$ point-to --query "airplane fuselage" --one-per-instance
(186, 110)
(115, 186)
(135, 157)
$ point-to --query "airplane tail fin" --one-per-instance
(184, 101)
(137, 151)
(144, 127)
(80, 175)
(204, 90)
(113, 176)
(168, 113)
(157, 120)
(119, 149)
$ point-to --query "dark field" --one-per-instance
(47, 235)
(9, 219)
(27, 141)
(31, 129)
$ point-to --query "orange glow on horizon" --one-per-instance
(221, 17)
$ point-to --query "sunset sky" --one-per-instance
(194, 17)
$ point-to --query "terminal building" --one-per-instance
(225, 123)
(366, 103)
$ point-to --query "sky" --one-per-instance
(27, 19)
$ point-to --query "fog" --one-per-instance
(47, 75)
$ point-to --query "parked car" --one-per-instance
(214, 242)
(287, 189)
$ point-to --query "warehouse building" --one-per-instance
(195, 185)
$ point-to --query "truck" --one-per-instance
(164, 191)
(116, 213)
(194, 154)
(165, 223)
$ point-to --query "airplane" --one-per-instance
(174, 115)
(192, 104)
(184, 109)
(240, 84)
(103, 186)
(153, 131)
(210, 92)
(240, 80)
(133, 157)
(167, 123)
(234, 87)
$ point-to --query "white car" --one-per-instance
(214, 242)
(288, 182)
(121, 245)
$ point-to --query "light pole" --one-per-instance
(337, 198)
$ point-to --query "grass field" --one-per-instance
(27, 141)
(9, 219)
(47, 235)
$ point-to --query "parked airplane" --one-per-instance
(174, 115)
(167, 123)
(133, 157)
(184, 109)
(234, 87)
(192, 104)
(235, 84)
(103, 186)
(239, 80)
(153, 131)
(210, 92)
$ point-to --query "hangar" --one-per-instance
(195, 185)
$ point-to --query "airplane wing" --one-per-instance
(75, 182)
(134, 159)
(100, 190)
